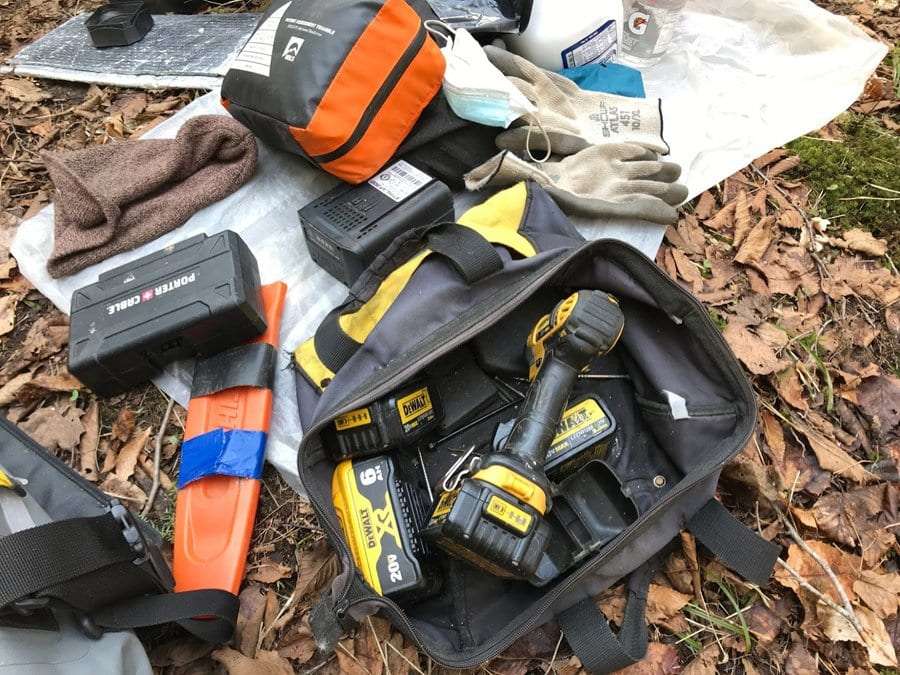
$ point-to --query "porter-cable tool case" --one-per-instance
(195, 298)
(684, 410)
(339, 83)
(67, 547)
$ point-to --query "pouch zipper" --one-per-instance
(342, 604)
(375, 105)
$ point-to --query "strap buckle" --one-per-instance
(130, 531)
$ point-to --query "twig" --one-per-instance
(387, 667)
(553, 658)
(815, 591)
(157, 453)
(847, 610)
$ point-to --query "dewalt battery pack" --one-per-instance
(392, 423)
(381, 517)
(583, 435)
(195, 298)
(349, 226)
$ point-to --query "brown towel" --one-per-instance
(113, 198)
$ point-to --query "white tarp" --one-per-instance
(745, 76)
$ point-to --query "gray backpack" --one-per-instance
(684, 409)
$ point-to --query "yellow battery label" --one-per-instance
(508, 514)
(354, 418)
(581, 423)
(414, 405)
(445, 504)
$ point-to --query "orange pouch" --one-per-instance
(339, 82)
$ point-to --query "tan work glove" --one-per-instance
(571, 117)
(619, 180)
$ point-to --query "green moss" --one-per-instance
(855, 182)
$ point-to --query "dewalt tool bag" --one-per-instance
(73, 557)
(339, 82)
(420, 370)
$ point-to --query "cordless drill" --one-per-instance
(495, 518)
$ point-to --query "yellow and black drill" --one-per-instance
(495, 518)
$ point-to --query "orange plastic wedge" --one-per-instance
(214, 516)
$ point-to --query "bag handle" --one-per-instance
(467, 251)
(591, 637)
(733, 543)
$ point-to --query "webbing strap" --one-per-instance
(591, 637)
(333, 346)
(733, 543)
(466, 250)
(42, 557)
(248, 365)
(469, 252)
(218, 608)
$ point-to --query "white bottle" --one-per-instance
(569, 33)
(649, 28)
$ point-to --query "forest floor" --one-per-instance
(795, 257)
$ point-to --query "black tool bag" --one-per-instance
(684, 410)
(65, 546)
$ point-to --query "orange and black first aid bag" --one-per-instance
(340, 82)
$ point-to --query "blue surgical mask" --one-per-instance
(475, 89)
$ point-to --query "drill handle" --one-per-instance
(540, 413)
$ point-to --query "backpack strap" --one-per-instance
(467, 250)
(733, 543)
(591, 637)
(80, 557)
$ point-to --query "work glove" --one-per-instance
(620, 180)
(571, 118)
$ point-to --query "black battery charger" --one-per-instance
(195, 298)
(349, 226)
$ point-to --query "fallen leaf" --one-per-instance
(756, 242)
(832, 457)
(265, 663)
(179, 652)
(750, 472)
(661, 659)
(791, 219)
(881, 592)
(664, 607)
(347, 660)
(314, 563)
(861, 241)
(23, 90)
(875, 637)
(298, 643)
(705, 663)
(788, 385)
(785, 164)
(751, 349)
(249, 621)
(115, 487)
(686, 269)
(742, 222)
(770, 158)
(47, 335)
(860, 518)
(9, 392)
(723, 218)
(705, 205)
(8, 313)
(268, 572)
(764, 624)
(90, 441)
(854, 276)
(127, 458)
(53, 429)
(879, 401)
(800, 662)
(123, 427)
(679, 573)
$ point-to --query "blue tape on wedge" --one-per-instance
(222, 452)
